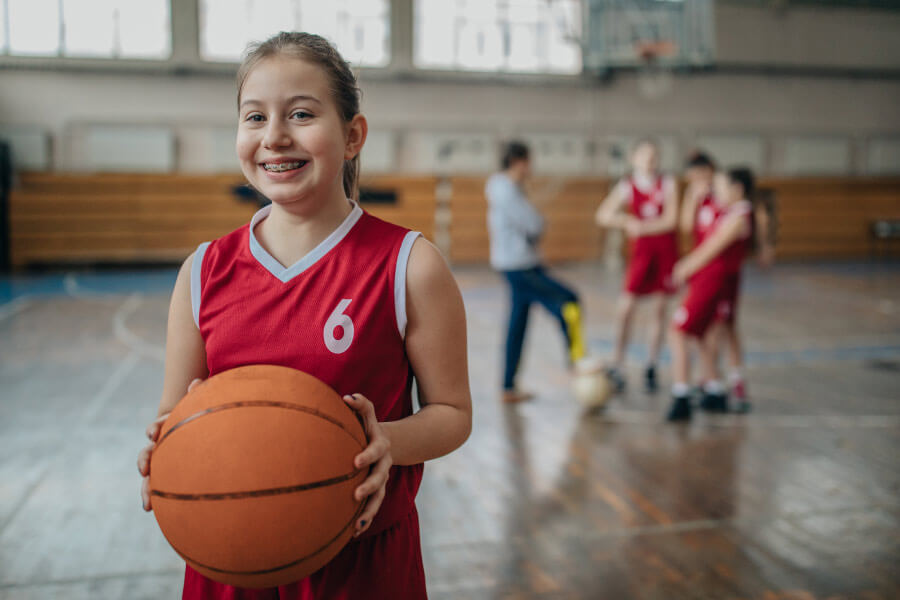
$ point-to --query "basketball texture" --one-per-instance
(252, 478)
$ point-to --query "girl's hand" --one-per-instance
(633, 227)
(143, 462)
(377, 455)
(680, 273)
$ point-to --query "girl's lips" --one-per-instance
(284, 175)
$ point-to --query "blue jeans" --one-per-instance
(527, 286)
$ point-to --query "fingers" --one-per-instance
(145, 494)
(364, 407)
(143, 462)
(376, 480)
(365, 519)
(155, 426)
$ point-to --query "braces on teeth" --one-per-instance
(283, 166)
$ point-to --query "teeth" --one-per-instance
(279, 167)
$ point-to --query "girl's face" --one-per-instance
(291, 140)
(727, 191)
(645, 158)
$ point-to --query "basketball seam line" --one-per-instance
(290, 489)
(285, 565)
(257, 403)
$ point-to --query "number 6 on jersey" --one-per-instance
(336, 319)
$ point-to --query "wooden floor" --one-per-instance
(799, 500)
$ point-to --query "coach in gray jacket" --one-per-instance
(515, 228)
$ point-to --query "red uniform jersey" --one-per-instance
(713, 290)
(705, 218)
(652, 256)
(338, 314)
(732, 257)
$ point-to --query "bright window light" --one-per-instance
(86, 28)
(360, 29)
(33, 27)
(525, 36)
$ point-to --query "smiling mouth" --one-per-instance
(284, 166)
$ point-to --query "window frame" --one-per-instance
(185, 57)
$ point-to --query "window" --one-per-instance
(523, 36)
(359, 28)
(86, 28)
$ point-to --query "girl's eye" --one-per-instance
(301, 114)
(255, 118)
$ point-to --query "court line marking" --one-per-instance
(122, 370)
(14, 307)
(128, 337)
(112, 383)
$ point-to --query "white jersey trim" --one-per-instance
(285, 274)
(196, 269)
(400, 280)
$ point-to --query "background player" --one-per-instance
(712, 268)
(645, 206)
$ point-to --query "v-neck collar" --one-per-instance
(285, 274)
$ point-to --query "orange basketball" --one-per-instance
(252, 478)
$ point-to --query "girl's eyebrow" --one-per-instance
(291, 100)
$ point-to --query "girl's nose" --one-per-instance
(276, 135)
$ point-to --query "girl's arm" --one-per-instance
(610, 212)
(185, 362)
(689, 209)
(766, 245)
(185, 350)
(669, 218)
(734, 228)
(436, 346)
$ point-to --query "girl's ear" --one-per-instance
(357, 130)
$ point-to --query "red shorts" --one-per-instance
(384, 566)
(726, 311)
(710, 295)
(650, 266)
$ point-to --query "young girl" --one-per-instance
(713, 268)
(272, 291)
(699, 211)
(649, 220)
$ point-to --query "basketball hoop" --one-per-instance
(654, 74)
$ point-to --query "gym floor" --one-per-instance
(798, 500)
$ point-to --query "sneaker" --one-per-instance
(714, 403)
(680, 409)
(739, 390)
(616, 379)
(650, 379)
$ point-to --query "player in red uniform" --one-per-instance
(712, 268)
(649, 218)
(699, 211)
(317, 284)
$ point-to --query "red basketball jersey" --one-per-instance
(705, 218)
(647, 205)
(338, 314)
(732, 257)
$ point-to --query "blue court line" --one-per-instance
(156, 281)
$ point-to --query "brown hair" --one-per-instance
(316, 50)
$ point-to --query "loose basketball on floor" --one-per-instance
(252, 478)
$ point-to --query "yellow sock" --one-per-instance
(571, 313)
